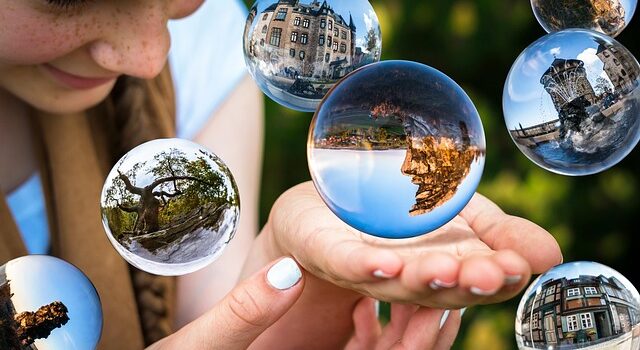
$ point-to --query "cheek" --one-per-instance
(29, 38)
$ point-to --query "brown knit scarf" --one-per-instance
(76, 154)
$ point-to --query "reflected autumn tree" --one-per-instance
(180, 195)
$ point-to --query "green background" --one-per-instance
(475, 43)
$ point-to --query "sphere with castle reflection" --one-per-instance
(47, 303)
(296, 50)
(396, 149)
(579, 305)
(571, 102)
(610, 17)
(170, 207)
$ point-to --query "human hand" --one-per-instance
(411, 327)
(482, 256)
(246, 312)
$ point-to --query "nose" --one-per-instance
(183, 8)
(135, 41)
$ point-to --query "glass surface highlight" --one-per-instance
(296, 50)
(47, 303)
(170, 207)
(396, 149)
(571, 102)
(609, 17)
(579, 305)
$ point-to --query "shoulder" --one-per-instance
(206, 61)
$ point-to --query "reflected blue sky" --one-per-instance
(368, 191)
(39, 280)
(525, 101)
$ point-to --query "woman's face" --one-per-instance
(63, 56)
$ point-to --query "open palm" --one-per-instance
(482, 256)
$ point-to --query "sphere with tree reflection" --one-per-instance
(606, 16)
(579, 305)
(47, 303)
(571, 102)
(396, 149)
(296, 50)
(170, 207)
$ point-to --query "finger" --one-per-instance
(501, 231)
(422, 330)
(366, 324)
(431, 272)
(515, 268)
(481, 276)
(246, 312)
(449, 331)
(325, 245)
(401, 314)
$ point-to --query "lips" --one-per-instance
(75, 81)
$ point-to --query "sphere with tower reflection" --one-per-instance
(579, 305)
(396, 149)
(571, 102)
(296, 50)
(170, 207)
(609, 17)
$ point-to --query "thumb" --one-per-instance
(246, 312)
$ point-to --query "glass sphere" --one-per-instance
(396, 149)
(571, 102)
(170, 207)
(296, 50)
(47, 303)
(579, 305)
(606, 16)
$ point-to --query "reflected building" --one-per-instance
(587, 310)
(620, 66)
(303, 40)
(606, 15)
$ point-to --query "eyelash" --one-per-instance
(66, 4)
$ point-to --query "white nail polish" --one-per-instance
(381, 274)
(438, 284)
(284, 274)
(513, 279)
(483, 293)
(444, 318)
(462, 311)
(376, 307)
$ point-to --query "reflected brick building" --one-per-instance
(587, 309)
(303, 40)
(620, 66)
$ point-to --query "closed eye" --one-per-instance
(66, 4)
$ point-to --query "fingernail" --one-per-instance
(381, 274)
(512, 279)
(481, 292)
(444, 318)
(376, 307)
(284, 274)
(438, 284)
(462, 311)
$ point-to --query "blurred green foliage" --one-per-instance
(475, 42)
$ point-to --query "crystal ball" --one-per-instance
(297, 50)
(606, 16)
(571, 102)
(579, 305)
(396, 149)
(170, 207)
(47, 303)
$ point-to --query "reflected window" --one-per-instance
(296, 22)
(305, 23)
(321, 40)
(551, 290)
(586, 320)
(323, 23)
(281, 15)
(327, 57)
(265, 16)
(304, 39)
(344, 34)
(573, 292)
(590, 290)
(276, 33)
(572, 323)
(335, 46)
(302, 54)
(264, 30)
(343, 47)
(292, 52)
(329, 42)
(330, 25)
(294, 37)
